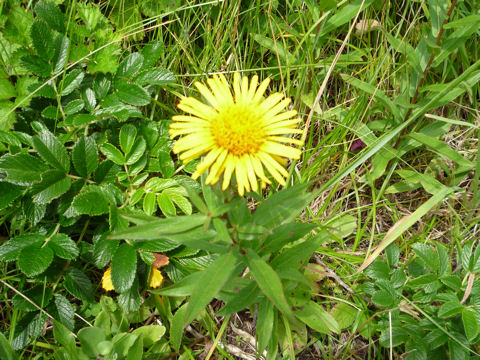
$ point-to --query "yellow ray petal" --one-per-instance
(217, 167)
(268, 162)
(207, 94)
(261, 90)
(250, 172)
(229, 168)
(281, 150)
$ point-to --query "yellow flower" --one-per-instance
(242, 132)
(107, 280)
(156, 278)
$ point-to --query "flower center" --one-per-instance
(238, 129)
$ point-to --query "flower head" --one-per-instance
(241, 132)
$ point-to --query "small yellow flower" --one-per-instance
(156, 278)
(107, 280)
(240, 132)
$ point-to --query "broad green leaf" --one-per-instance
(74, 107)
(116, 221)
(128, 133)
(156, 228)
(42, 39)
(438, 12)
(428, 255)
(166, 205)
(156, 184)
(470, 323)
(132, 94)
(160, 77)
(150, 333)
(344, 314)
(180, 201)
(34, 259)
(52, 15)
(149, 203)
(85, 156)
(63, 336)
(450, 308)
(52, 112)
(124, 267)
(136, 151)
(167, 167)
(6, 350)
(9, 192)
(89, 99)
(383, 298)
(103, 251)
(130, 66)
(91, 202)
(268, 281)
(61, 52)
(36, 65)
(90, 337)
(112, 153)
(318, 319)
(65, 311)
(7, 90)
(39, 295)
(51, 150)
(209, 284)
(435, 338)
(78, 284)
(130, 300)
(152, 52)
(72, 81)
(63, 246)
(22, 169)
(429, 183)
(10, 250)
(176, 327)
(54, 184)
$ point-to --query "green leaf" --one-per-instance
(128, 133)
(90, 337)
(85, 156)
(63, 246)
(103, 251)
(6, 350)
(130, 300)
(42, 39)
(124, 267)
(152, 52)
(136, 151)
(438, 12)
(344, 314)
(22, 169)
(167, 167)
(36, 65)
(63, 336)
(149, 203)
(78, 284)
(150, 333)
(72, 81)
(39, 295)
(91, 202)
(34, 259)
(428, 256)
(89, 99)
(132, 94)
(130, 66)
(180, 201)
(65, 311)
(52, 15)
(210, 283)
(242, 299)
(176, 327)
(61, 52)
(450, 308)
(156, 76)
(10, 250)
(112, 153)
(51, 112)
(166, 205)
(318, 319)
(470, 323)
(51, 150)
(9, 192)
(116, 221)
(74, 107)
(268, 281)
(53, 185)
(383, 298)
(7, 90)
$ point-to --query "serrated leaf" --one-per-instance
(116, 221)
(91, 202)
(65, 311)
(89, 99)
(136, 151)
(130, 65)
(166, 205)
(130, 300)
(51, 150)
(61, 52)
(42, 39)
(39, 295)
(181, 202)
(344, 314)
(85, 156)
(112, 153)
(51, 112)
(128, 133)
(132, 94)
(268, 281)
(428, 255)
(101, 86)
(7, 90)
(209, 284)
(470, 323)
(54, 184)
(72, 81)
(52, 15)
(36, 65)
(78, 284)
(124, 267)
(74, 107)
(160, 77)
(151, 53)
(9, 192)
(10, 250)
(103, 251)
(450, 308)
(22, 169)
(34, 259)
(63, 246)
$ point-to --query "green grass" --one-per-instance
(415, 180)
